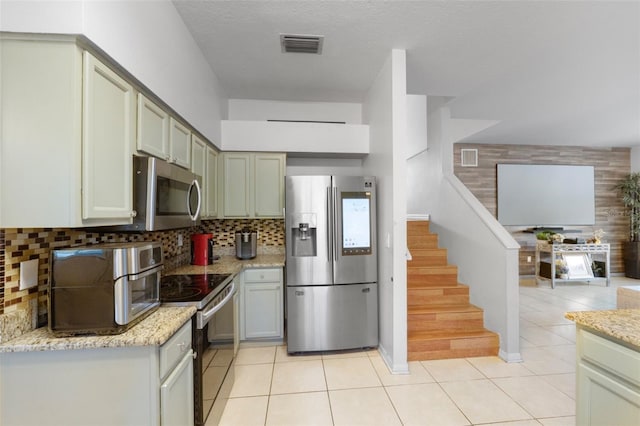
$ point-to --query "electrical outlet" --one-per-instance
(528, 259)
(180, 240)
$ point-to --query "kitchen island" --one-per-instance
(135, 378)
(608, 367)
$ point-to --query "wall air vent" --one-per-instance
(298, 43)
(469, 157)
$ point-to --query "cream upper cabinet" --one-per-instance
(211, 188)
(108, 131)
(179, 143)
(237, 181)
(268, 191)
(198, 166)
(67, 133)
(153, 129)
(253, 184)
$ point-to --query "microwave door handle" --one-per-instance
(206, 315)
(197, 187)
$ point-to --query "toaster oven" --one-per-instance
(103, 288)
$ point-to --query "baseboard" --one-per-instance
(399, 368)
(510, 356)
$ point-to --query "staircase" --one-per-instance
(441, 323)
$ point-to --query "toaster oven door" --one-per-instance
(134, 295)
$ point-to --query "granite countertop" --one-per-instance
(231, 265)
(619, 324)
(156, 329)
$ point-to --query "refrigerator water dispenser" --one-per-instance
(303, 231)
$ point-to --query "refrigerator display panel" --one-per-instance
(356, 223)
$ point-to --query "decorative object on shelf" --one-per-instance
(562, 269)
(544, 235)
(556, 238)
(629, 189)
(597, 237)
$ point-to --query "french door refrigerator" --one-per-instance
(331, 264)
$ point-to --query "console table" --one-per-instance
(546, 252)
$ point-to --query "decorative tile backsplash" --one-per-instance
(18, 245)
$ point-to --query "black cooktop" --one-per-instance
(190, 289)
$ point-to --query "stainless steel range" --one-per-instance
(209, 293)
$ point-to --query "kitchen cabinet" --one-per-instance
(130, 385)
(153, 129)
(179, 143)
(199, 167)
(608, 381)
(211, 189)
(253, 184)
(67, 133)
(262, 307)
(108, 124)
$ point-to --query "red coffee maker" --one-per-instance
(202, 249)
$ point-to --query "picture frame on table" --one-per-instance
(579, 265)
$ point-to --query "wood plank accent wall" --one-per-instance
(611, 165)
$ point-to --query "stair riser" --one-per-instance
(434, 280)
(429, 241)
(417, 227)
(417, 323)
(421, 298)
(450, 354)
(489, 343)
(426, 261)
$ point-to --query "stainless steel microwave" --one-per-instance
(165, 196)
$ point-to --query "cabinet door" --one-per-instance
(198, 166)
(604, 399)
(153, 129)
(237, 178)
(179, 144)
(263, 310)
(108, 113)
(176, 394)
(211, 187)
(268, 190)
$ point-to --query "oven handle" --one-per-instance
(206, 315)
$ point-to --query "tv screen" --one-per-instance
(545, 195)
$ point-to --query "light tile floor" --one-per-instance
(272, 388)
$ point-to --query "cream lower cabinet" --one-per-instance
(253, 184)
(608, 382)
(262, 315)
(67, 134)
(133, 385)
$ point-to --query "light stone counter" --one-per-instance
(231, 265)
(156, 329)
(618, 324)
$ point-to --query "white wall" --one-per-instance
(416, 154)
(384, 110)
(485, 253)
(305, 138)
(635, 159)
(324, 166)
(147, 38)
(263, 110)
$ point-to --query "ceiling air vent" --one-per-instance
(469, 157)
(297, 43)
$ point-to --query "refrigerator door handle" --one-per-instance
(329, 225)
(335, 224)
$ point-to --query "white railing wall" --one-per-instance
(485, 253)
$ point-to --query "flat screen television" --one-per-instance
(545, 195)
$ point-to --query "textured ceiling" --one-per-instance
(552, 73)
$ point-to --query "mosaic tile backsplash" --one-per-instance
(18, 245)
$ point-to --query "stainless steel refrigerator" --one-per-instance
(331, 265)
